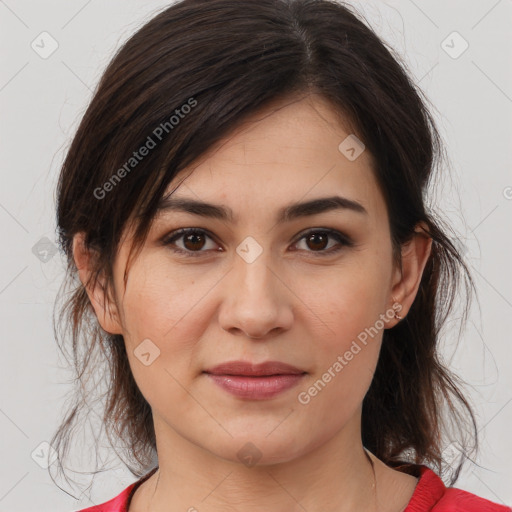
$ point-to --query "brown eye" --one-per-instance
(317, 241)
(194, 241)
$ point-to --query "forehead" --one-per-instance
(293, 150)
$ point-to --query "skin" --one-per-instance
(294, 306)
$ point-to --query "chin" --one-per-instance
(257, 447)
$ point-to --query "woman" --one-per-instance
(243, 209)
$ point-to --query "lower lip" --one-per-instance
(256, 388)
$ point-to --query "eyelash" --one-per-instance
(342, 239)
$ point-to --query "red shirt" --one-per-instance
(430, 495)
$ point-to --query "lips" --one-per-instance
(247, 369)
(249, 381)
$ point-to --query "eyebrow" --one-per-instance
(285, 214)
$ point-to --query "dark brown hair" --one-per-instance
(226, 60)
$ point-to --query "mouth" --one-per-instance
(255, 381)
(243, 368)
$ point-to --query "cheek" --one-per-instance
(161, 313)
(161, 338)
(161, 299)
(344, 300)
(343, 314)
(347, 347)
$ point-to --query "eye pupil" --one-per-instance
(315, 237)
(193, 237)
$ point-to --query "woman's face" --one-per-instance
(256, 287)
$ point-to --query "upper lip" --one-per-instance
(247, 368)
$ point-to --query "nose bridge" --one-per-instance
(252, 263)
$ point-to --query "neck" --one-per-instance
(338, 475)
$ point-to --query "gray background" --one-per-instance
(42, 100)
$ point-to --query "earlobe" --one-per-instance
(104, 306)
(414, 257)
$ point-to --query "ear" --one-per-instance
(406, 280)
(104, 306)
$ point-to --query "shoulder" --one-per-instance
(122, 501)
(457, 500)
(117, 504)
(431, 495)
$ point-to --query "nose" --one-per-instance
(257, 301)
